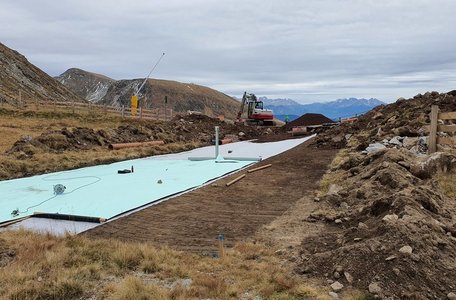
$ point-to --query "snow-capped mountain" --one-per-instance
(339, 108)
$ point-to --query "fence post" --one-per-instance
(140, 113)
(433, 130)
(55, 105)
(123, 111)
(72, 107)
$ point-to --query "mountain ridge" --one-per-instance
(181, 97)
(339, 108)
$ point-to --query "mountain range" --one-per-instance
(340, 108)
(20, 80)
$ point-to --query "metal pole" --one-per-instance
(216, 141)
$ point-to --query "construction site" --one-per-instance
(156, 189)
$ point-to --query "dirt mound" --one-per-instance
(187, 128)
(390, 229)
(308, 119)
(384, 204)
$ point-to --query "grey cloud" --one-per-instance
(305, 50)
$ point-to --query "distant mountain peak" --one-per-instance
(279, 101)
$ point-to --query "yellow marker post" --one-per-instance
(134, 105)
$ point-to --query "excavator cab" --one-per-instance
(256, 113)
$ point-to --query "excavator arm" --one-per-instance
(244, 100)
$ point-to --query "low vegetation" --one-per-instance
(73, 267)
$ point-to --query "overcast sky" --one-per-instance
(312, 50)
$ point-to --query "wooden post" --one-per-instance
(72, 107)
(55, 105)
(235, 180)
(259, 168)
(433, 130)
(221, 239)
(123, 111)
(140, 113)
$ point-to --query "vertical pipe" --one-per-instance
(216, 141)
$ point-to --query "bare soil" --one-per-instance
(193, 221)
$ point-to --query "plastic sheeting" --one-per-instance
(99, 191)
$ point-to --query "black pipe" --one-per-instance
(68, 217)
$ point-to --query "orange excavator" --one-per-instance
(256, 113)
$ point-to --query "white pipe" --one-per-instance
(216, 141)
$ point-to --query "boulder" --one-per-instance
(406, 249)
(337, 286)
(390, 218)
(374, 288)
(375, 147)
(395, 141)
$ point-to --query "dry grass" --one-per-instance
(15, 124)
(46, 267)
(10, 167)
(332, 176)
(446, 182)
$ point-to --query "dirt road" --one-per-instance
(192, 221)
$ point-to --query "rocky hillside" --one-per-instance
(388, 208)
(17, 74)
(90, 86)
(181, 96)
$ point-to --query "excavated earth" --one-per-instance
(182, 129)
(389, 227)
